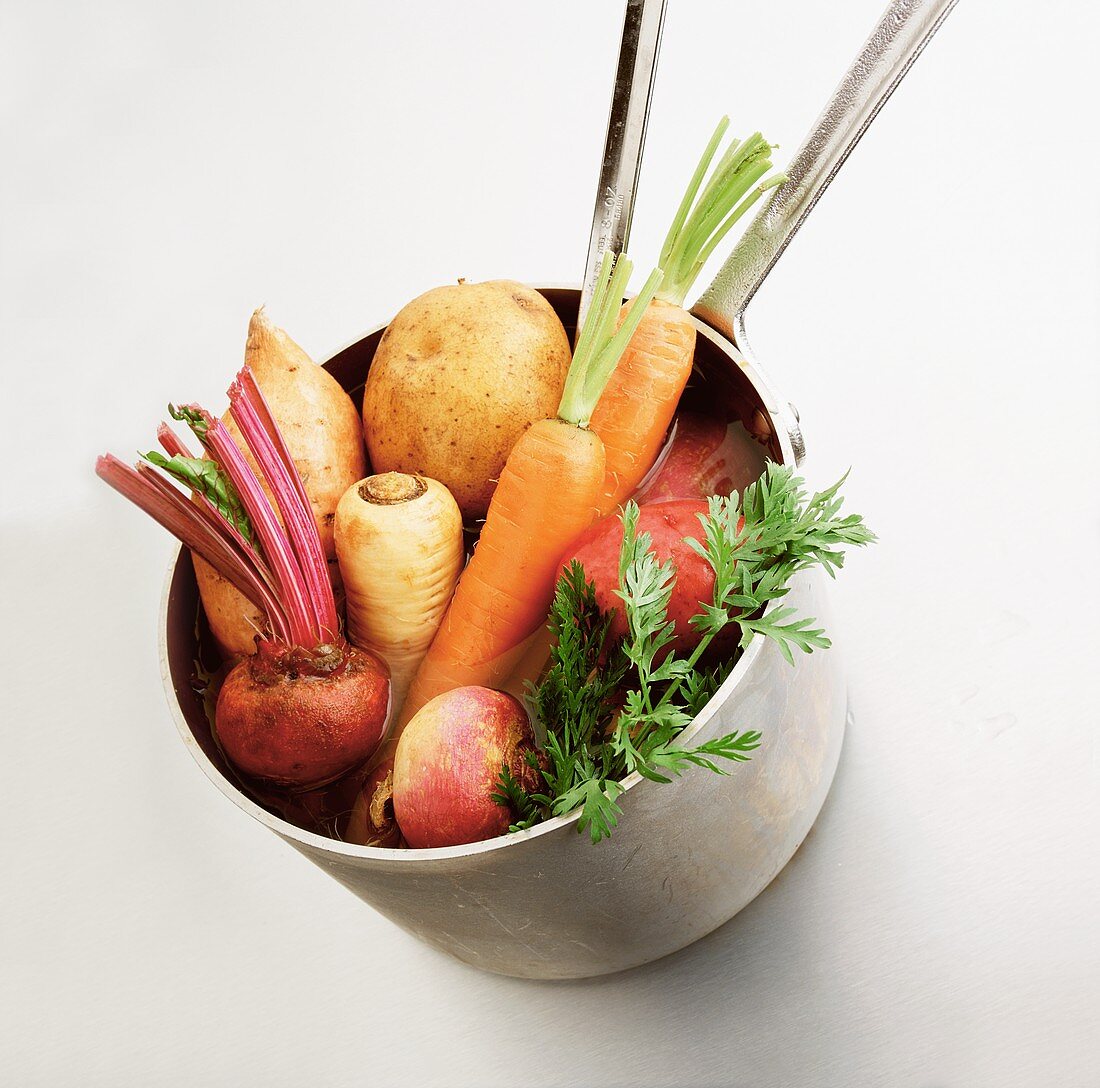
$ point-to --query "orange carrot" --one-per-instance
(548, 493)
(640, 399)
(641, 396)
(545, 499)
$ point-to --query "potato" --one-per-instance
(322, 431)
(458, 376)
(669, 525)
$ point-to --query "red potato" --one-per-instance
(704, 456)
(668, 524)
(448, 761)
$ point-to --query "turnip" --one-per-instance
(448, 762)
(308, 706)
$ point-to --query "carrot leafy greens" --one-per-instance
(612, 708)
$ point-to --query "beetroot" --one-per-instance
(308, 707)
(302, 719)
(668, 524)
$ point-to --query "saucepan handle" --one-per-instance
(887, 55)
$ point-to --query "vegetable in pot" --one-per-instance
(372, 821)
(669, 527)
(448, 760)
(635, 411)
(616, 704)
(321, 428)
(308, 706)
(400, 545)
(704, 456)
(460, 373)
(547, 495)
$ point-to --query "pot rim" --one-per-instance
(409, 856)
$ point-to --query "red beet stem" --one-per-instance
(253, 416)
(184, 520)
(174, 446)
(273, 540)
(259, 404)
(171, 442)
(229, 537)
(285, 573)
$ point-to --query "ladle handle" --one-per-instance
(885, 58)
(626, 125)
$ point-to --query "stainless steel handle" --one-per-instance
(626, 125)
(885, 58)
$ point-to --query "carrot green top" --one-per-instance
(600, 344)
(704, 218)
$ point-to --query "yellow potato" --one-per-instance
(322, 431)
(459, 375)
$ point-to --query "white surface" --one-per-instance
(169, 167)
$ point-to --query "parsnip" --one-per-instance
(400, 548)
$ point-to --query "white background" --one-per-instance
(168, 167)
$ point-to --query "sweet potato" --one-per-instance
(322, 432)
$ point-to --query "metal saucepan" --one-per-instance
(686, 857)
